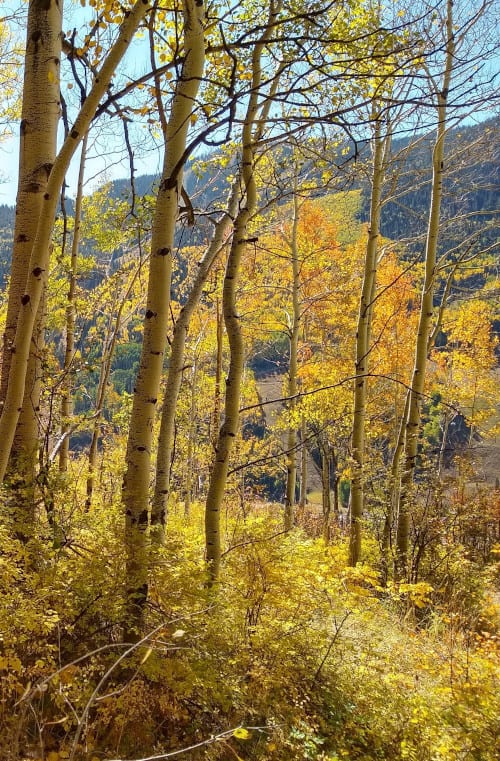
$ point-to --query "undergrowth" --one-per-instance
(293, 656)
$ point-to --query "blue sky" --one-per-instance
(104, 165)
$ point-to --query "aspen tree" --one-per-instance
(188, 483)
(175, 368)
(69, 349)
(40, 249)
(248, 203)
(219, 334)
(380, 146)
(294, 330)
(303, 464)
(326, 499)
(412, 426)
(38, 145)
(135, 495)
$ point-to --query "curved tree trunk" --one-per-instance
(40, 248)
(229, 428)
(413, 424)
(175, 366)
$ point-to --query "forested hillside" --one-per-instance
(472, 186)
(249, 410)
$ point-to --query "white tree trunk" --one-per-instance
(413, 424)
(175, 366)
(363, 344)
(40, 249)
(135, 493)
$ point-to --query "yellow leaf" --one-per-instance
(51, 76)
(53, 756)
(10, 663)
(241, 733)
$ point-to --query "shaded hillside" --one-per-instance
(469, 204)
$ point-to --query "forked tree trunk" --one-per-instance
(413, 424)
(229, 428)
(38, 138)
(135, 494)
(40, 248)
(175, 367)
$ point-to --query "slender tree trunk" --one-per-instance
(218, 373)
(69, 352)
(107, 356)
(303, 465)
(108, 351)
(135, 493)
(444, 442)
(174, 377)
(188, 488)
(392, 512)
(229, 428)
(413, 424)
(325, 490)
(363, 345)
(291, 463)
(40, 249)
(392, 506)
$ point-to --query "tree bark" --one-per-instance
(38, 145)
(291, 443)
(175, 366)
(40, 249)
(215, 422)
(413, 424)
(363, 345)
(135, 494)
(69, 351)
(229, 428)
(188, 486)
(326, 499)
(303, 464)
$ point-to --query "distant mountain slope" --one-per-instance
(471, 193)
